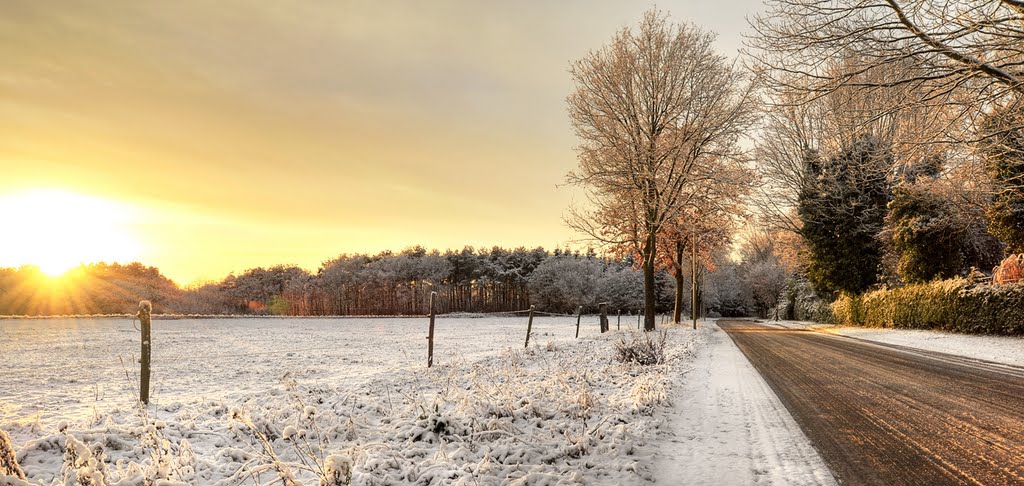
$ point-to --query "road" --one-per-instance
(885, 414)
(728, 428)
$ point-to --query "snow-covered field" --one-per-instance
(66, 369)
(261, 402)
(272, 401)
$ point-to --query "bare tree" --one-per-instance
(801, 124)
(717, 206)
(963, 55)
(646, 108)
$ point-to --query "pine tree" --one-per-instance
(842, 208)
(924, 234)
(1003, 151)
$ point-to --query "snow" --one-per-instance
(728, 427)
(338, 401)
(67, 369)
(998, 349)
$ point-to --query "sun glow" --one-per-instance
(56, 230)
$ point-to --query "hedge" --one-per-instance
(957, 305)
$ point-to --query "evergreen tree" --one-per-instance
(842, 208)
(1003, 151)
(924, 234)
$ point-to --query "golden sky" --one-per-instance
(211, 137)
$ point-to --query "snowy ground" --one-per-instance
(267, 400)
(244, 402)
(69, 369)
(999, 349)
(728, 427)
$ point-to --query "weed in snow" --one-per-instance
(642, 348)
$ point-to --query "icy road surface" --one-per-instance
(884, 414)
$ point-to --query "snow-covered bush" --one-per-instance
(8, 460)
(956, 304)
(84, 465)
(800, 302)
(642, 348)
(337, 470)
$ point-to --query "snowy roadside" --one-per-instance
(556, 413)
(727, 426)
(999, 349)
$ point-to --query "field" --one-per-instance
(263, 401)
(81, 363)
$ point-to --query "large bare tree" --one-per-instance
(647, 108)
(964, 55)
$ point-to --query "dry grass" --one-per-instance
(644, 348)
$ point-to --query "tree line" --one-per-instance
(388, 283)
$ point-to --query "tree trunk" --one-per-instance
(693, 277)
(677, 313)
(649, 251)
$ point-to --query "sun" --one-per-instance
(57, 230)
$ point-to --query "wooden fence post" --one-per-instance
(638, 319)
(529, 328)
(430, 332)
(604, 317)
(618, 319)
(579, 313)
(145, 317)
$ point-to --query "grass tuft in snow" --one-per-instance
(645, 348)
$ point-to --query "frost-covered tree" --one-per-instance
(716, 206)
(924, 235)
(1003, 153)
(843, 209)
(762, 272)
(622, 287)
(646, 108)
(563, 283)
(963, 55)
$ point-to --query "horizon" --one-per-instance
(62, 272)
(263, 135)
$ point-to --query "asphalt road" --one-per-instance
(885, 414)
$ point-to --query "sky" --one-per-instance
(210, 137)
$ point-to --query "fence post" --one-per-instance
(618, 319)
(579, 313)
(145, 315)
(529, 328)
(604, 316)
(430, 332)
(638, 319)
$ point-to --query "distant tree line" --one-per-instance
(389, 283)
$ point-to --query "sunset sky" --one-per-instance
(210, 137)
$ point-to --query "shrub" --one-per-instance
(958, 305)
(645, 349)
(924, 234)
(8, 462)
(800, 302)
